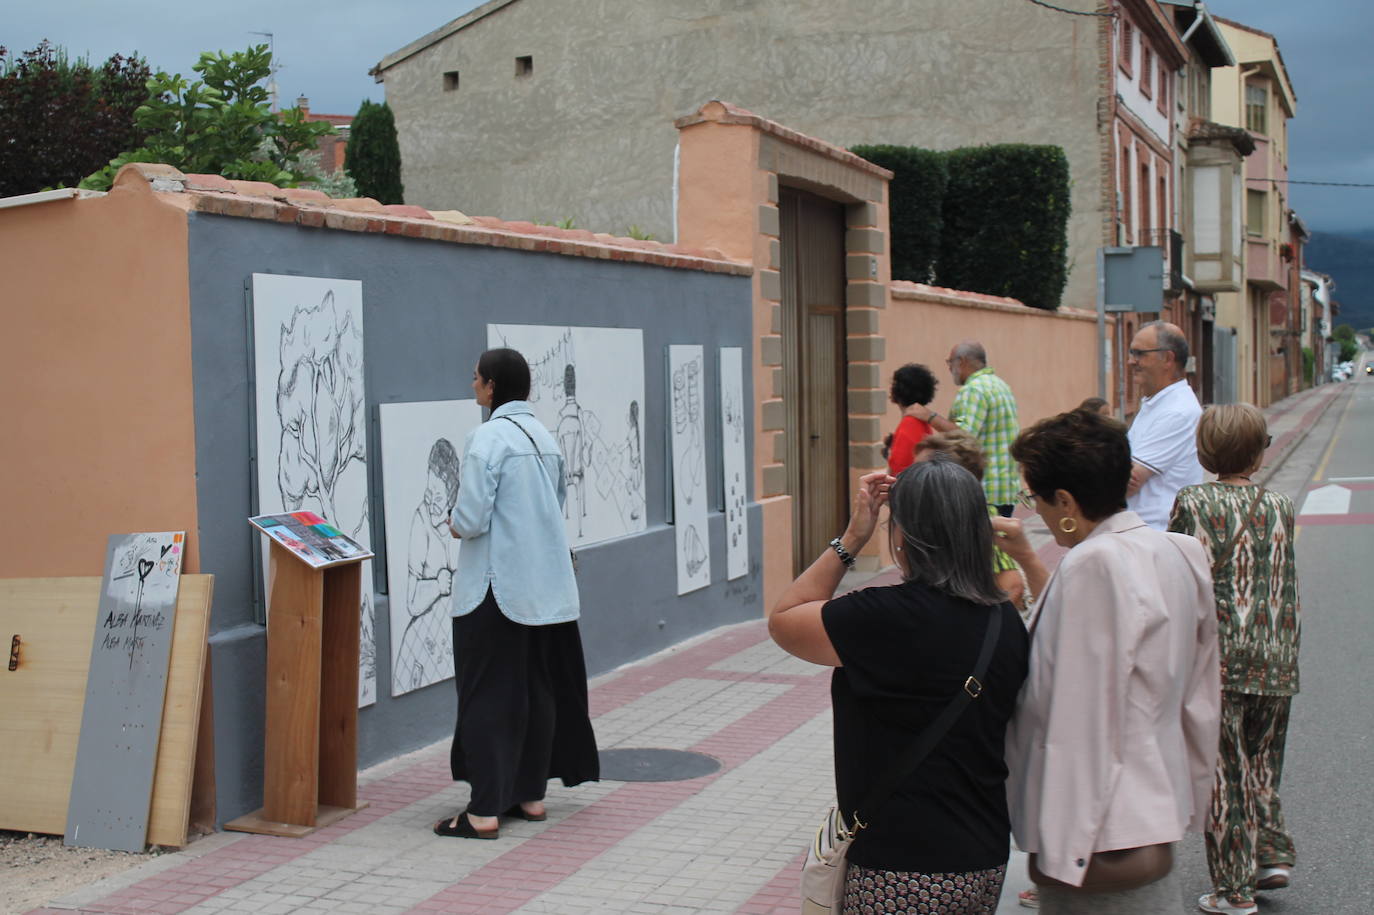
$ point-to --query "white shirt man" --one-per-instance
(1164, 435)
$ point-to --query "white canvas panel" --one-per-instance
(687, 407)
(587, 388)
(422, 444)
(311, 418)
(733, 465)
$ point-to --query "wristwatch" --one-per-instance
(845, 556)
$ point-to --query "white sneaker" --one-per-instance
(1273, 878)
(1212, 902)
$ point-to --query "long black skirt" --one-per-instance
(522, 709)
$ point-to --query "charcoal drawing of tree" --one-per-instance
(320, 406)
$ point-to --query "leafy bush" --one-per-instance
(373, 156)
(60, 118)
(915, 206)
(1006, 219)
(221, 125)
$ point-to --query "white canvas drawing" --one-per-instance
(687, 407)
(587, 388)
(311, 417)
(733, 464)
(422, 445)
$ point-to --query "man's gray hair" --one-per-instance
(971, 350)
(1168, 338)
(941, 515)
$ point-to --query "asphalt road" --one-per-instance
(1328, 794)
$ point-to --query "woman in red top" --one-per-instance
(911, 384)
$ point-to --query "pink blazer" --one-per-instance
(1114, 741)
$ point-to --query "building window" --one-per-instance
(1256, 109)
(1163, 101)
(1126, 55)
(1147, 70)
(1162, 201)
(1144, 237)
(524, 66)
(451, 81)
(1125, 193)
(1255, 203)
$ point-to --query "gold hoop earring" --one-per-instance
(1068, 525)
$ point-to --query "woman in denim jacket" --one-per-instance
(522, 681)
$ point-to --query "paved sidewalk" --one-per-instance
(728, 842)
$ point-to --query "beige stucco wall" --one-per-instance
(589, 134)
(98, 399)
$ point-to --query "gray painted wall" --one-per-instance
(589, 134)
(425, 310)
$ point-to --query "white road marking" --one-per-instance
(1349, 479)
(1329, 500)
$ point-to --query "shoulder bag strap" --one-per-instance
(918, 751)
(1225, 553)
(524, 430)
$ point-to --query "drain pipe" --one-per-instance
(1201, 9)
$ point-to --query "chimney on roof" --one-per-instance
(303, 104)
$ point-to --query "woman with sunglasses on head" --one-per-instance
(1113, 744)
(1248, 531)
(903, 655)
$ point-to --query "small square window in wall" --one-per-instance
(524, 66)
(451, 81)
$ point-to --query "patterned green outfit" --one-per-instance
(985, 406)
(1258, 621)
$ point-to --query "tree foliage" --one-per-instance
(373, 155)
(61, 118)
(221, 124)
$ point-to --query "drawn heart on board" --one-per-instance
(165, 549)
(145, 567)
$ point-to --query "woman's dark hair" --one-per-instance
(912, 383)
(509, 371)
(941, 514)
(1082, 452)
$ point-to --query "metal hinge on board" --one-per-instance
(14, 653)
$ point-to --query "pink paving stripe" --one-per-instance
(541, 863)
(780, 896)
(1359, 486)
(1332, 520)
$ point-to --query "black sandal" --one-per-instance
(516, 812)
(460, 827)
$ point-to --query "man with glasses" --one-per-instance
(986, 407)
(1164, 435)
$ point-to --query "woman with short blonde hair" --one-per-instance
(1248, 532)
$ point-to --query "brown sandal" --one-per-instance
(460, 827)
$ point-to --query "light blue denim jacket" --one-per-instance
(510, 516)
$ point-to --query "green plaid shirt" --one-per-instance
(985, 406)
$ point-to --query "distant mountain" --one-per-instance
(1348, 258)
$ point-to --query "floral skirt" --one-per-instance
(879, 892)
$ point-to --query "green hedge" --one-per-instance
(990, 219)
(1006, 222)
(915, 202)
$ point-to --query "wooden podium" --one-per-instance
(311, 745)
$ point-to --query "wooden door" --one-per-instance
(814, 370)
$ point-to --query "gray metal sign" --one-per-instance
(1134, 279)
(112, 784)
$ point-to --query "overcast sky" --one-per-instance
(326, 50)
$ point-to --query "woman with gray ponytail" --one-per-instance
(938, 841)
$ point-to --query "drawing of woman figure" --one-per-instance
(425, 652)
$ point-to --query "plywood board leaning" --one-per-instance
(310, 416)
(41, 702)
(687, 407)
(421, 444)
(126, 682)
(587, 388)
(733, 465)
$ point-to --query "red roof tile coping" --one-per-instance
(902, 289)
(314, 209)
(719, 112)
